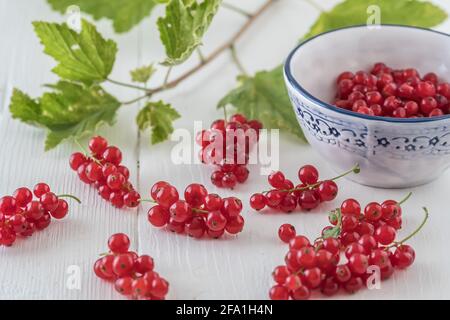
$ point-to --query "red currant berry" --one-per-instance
(213, 202)
(308, 175)
(351, 207)
(119, 243)
(385, 234)
(279, 292)
(286, 232)
(215, 221)
(132, 199)
(8, 205)
(76, 160)
(40, 189)
(97, 145)
(280, 274)
(231, 207)
(235, 225)
(372, 212)
(49, 201)
(327, 190)
(358, 263)
(115, 181)
(195, 195)
(113, 155)
(276, 179)
(180, 211)
(158, 216)
(61, 210)
(258, 201)
(23, 196)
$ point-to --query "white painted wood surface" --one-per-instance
(232, 268)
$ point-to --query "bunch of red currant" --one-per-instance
(102, 169)
(365, 241)
(133, 275)
(20, 215)
(227, 146)
(393, 93)
(307, 195)
(200, 213)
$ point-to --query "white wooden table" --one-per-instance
(231, 268)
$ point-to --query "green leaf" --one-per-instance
(86, 56)
(354, 12)
(183, 26)
(142, 74)
(125, 14)
(69, 111)
(264, 97)
(158, 116)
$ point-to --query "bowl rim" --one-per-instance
(291, 79)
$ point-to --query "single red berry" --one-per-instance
(235, 225)
(119, 243)
(195, 194)
(49, 201)
(385, 234)
(258, 201)
(328, 190)
(308, 174)
(76, 160)
(61, 210)
(286, 232)
(8, 205)
(231, 207)
(124, 285)
(351, 207)
(180, 211)
(23, 196)
(113, 155)
(372, 212)
(280, 274)
(358, 263)
(123, 265)
(40, 189)
(144, 264)
(158, 216)
(132, 199)
(276, 179)
(213, 202)
(196, 227)
(216, 221)
(97, 145)
(279, 292)
(309, 199)
(115, 181)
(167, 196)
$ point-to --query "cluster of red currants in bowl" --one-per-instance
(307, 195)
(20, 215)
(227, 145)
(358, 249)
(133, 275)
(388, 92)
(200, 213)
(102, 168)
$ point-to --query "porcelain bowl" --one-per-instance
(392, 153)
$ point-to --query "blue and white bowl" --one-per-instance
(392, 153)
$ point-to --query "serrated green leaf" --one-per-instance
(183, 26)
(125, 14)
(86, 56)
(264, 97)
(69, 111)
(142, 74)
(158, 116)
(354, 12)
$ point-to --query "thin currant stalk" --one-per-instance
(207, 59)
(87, 153)
(356, 169)
(422, 224)
(236, 60)
(69, 196)
(405, 199)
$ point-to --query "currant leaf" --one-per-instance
(142, 74)
(264, 97)
(158, 116)
(124, 14)
(70, 110)
(85, 57)
(183, 26)
(354, 12)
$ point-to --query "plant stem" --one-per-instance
(147, 200)
(404, 199)
(128, 85)
(69, 196)
(200, 55)
(166, 78)
(236, 9)
(207, 59)
(211, 57)
(236, 60)
(424, 221)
